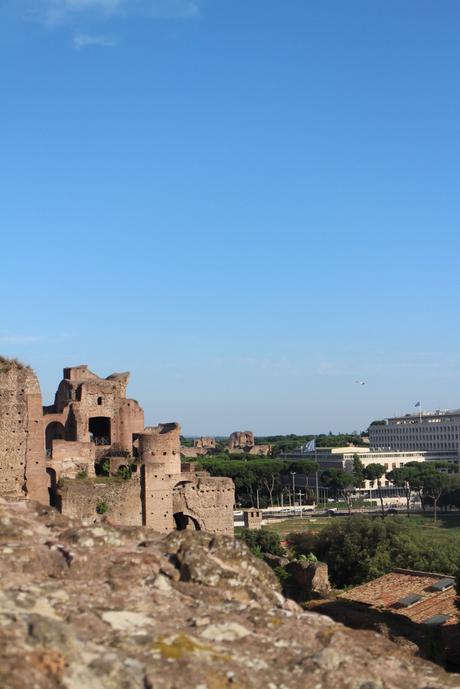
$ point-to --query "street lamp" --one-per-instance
(293, 473)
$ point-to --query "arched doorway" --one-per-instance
(184, 522)
(99, 430)
(54, 431)
(52, 488)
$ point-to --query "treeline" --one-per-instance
(267, 481)
(257, 480)
(289, 443)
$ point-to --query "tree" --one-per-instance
(402, 478)
(433, 485)
(450, 497)
(358, 471)
(374, 472)
(362, 548)
(429, 479)
(306, 468)
(341, 483)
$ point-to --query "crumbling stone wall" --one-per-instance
(192, 452)
(22, 457)
(80, 498)
(205, 442)
(308, 580)
(70, 458)
(207, 500)
(157, 497)
(161, 494)
(260, 450)
(241, 440)
(82, 396)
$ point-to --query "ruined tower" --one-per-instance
(22, 456)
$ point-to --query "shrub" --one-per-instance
(103, 467)
(82, 474)
(102, 507)
(262, 541)
(360, 548)
(124, 473)
(311, 557)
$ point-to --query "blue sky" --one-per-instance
(248, 204)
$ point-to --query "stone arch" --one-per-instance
(54, 431)
(52, 487)
(185, 522)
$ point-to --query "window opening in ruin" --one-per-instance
(185, 522)
(99, 401)
(99, 430)
(52, 488)
(54, 431)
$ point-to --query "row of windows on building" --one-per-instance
(449, 431)
(418, 445)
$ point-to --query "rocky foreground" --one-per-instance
(104, 607)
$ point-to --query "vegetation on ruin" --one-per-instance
(124, 472)
(102, 507)
(7, 363)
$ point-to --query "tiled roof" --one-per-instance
(387, 592)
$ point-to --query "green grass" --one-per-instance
(447, 527)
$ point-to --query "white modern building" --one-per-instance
(343, 458)
(437, 431)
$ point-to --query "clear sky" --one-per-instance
(250, 204)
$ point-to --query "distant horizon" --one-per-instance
(48, 392)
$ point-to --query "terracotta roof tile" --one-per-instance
(385, 593)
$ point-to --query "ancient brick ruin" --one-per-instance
(205, 442)
(241, 440)
(244, 441)
(22, 459)
(201, 447)
(50, 455)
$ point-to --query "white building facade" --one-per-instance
(434, 432)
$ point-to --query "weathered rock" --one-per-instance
(275, 561)
(101, 607)
(308, 580)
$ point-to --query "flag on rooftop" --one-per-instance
(310, 446)
(417, 404)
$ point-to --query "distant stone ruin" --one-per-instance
(205, 442)
(241, 440)
(50, 455)
(244, 441)
(201, 446)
